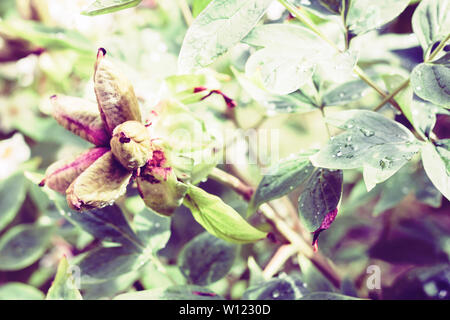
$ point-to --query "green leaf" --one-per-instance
(322, 8)
(321, 196)
(46, 36)
(152, 229)
(19, 291)
(395, 190)
(206, 259)
(431, 22)
(108, 6)
(220, 219)
(403, 98)
(282, 288)
(377, 144)
(106, 224)
(431, 81)
(436, 162)
(287, 59)
(327, 296)
(345, 93)
(216, 29)
(313, 278)
(64, 286)
(425, 191)
(366, 15)
(198, 6)
(22, 245)
(109, 262)
(296, 102)
(12, 194)
(282, 179)
(188, 292)
(424, 116)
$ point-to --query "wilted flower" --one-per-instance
(123, 148)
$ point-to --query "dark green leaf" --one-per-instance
(327, 296)
(19, 291)
(189, 292)
(282, 288)
(425, 191)
(282, 179)
(320, 197)
(431, 22)
(377, 144)
(431, 81)
(206, 259)
(12, 194)
(64, 285)
(22, 245)
(108, 6)
(216, 29)
(152, 229)
(107, 263)
(220, 219)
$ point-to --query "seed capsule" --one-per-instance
(116, 99)
(81, 117)
(99, 185)
(62, 173)
(131, 144)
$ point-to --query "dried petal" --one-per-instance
(131, 144)
(81, 117)
(99, 185)
(115, 94)
(62, 173)
(163, 195)
(326, 223)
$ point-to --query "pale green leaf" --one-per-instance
(19, 291)
(220, 219)
(23, 245)
(431, 22)
(108, 6)
(371, 141)
(365, 15)
(436, 162)
(431, 81)
(12, 194)
(64, 284)
(220, 26)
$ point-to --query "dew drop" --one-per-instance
(418, 88)
(275, 294)
(366, 132)
(338, 154)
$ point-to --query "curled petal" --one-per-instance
(326, 223)
(131, 144)
(81, 117)
(162, 195)
(62, 173)
(115, 94)
(99, 185)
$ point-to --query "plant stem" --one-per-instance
(288, 233)
(392, 95)
(186, 11)
(322, 111)
(279, 258)
(438, 49)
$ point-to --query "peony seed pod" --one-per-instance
(81, 117)
(116, 99)
(99, 185)
(62, 173)
(131, 144)
(162, 195)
